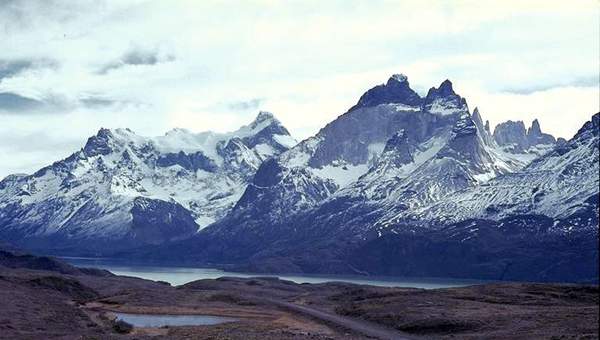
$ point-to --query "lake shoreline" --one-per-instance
(183, 274)
(45, 297)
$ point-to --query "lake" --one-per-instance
(159, 320)
(181, 275)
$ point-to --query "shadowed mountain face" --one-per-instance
(395, 91)
(417, 189)
(378, 154)
(538, 223)
(399, 185)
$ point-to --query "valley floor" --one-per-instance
(66, 303)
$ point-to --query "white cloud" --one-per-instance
(561, 110)
(307, 61)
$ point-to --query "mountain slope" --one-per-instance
(441, 196)
(546, 229)
(557, 184)
(336, 156)
(122, 189)
(354, 158)
(398, 185)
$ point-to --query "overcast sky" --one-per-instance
(68, 68)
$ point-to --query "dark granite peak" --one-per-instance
(444, 100)
(477, 118)
(98, 144)
(514, 134)
(396, 91)
(444, 90)
(535, 135)
(535, 128)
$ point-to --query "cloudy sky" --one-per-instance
(68, 68)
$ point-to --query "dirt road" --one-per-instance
(359, 326)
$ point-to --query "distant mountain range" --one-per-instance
(122, 190)
(398, 185)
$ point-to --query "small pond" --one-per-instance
(160, 320)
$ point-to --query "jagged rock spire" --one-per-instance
(513, 134)
(535, 135)
(466, 145)
(444, 90)
(444, 101)
(477, 117)
(483, 130)
(535, 129)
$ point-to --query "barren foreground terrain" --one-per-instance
(43, 298)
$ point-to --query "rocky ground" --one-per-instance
(43, 298)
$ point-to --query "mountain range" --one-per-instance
(122, 190)
(400, 184)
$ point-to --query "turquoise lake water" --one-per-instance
(159, 320)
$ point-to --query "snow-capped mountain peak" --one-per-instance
(396, 172)
(393, 146)
(177, 131)
(264, 116)
(99, 143)
(558, 184)
(399, 77)
(132, 188)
